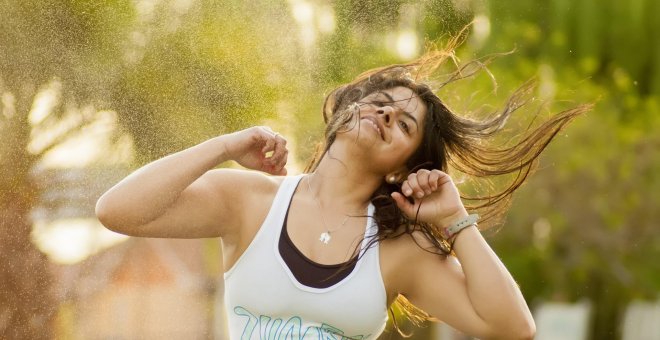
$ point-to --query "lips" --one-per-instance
(376, 124)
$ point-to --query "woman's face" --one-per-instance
(389, 128)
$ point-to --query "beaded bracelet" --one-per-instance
(459, 225)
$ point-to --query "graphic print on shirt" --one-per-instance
(291, 329)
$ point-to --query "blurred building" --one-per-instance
(144, 288)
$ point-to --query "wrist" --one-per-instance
(220, 144)
(452, 239)
(450, 231)
(448, 220)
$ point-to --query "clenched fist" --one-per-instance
(258, 148)
(435, 197)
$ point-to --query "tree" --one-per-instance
(43, 45)
(186, 73)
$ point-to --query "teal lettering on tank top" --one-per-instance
(269, 329)
(251, 323)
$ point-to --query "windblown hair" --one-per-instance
(451, 143)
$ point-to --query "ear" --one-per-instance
(396, 176)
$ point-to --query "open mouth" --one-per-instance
(371, 122)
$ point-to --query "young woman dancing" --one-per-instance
(375, 219)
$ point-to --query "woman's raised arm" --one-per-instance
(177, 195)
(478, 296)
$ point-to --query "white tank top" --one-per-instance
(265, 301)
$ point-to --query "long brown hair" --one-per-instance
(451, 143)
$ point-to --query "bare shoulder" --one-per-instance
(410, 246)
(240, 182)
(246, 194)
(252, 194)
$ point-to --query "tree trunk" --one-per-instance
(27, 304)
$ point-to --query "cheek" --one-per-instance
(414, 147)
(404, 154)
(346, 120)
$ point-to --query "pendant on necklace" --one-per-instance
(325, 237)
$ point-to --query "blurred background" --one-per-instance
(91, 90)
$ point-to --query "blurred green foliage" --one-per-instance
(178, 72)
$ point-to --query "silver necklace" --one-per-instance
(325, 236)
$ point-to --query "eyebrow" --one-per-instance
(406, 113)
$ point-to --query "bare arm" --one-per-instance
(475, 294)
(177, 195)
(472, 292)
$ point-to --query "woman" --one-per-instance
(376, 219)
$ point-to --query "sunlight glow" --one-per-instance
(302, 11)
(68, 241)
(73, 239)
(407, 45)
(481, 30)
(312, 19)
(8, 100)
(91, 145)
(547, 85)
(44, 102)
(326, 20)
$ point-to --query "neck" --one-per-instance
(341, 184)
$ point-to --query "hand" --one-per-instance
(250, 148)
(442, 203)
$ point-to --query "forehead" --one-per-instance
(401, 97)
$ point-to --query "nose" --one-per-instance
(386, 112)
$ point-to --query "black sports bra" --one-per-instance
(306, 271)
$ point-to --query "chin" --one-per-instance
(364, 140)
